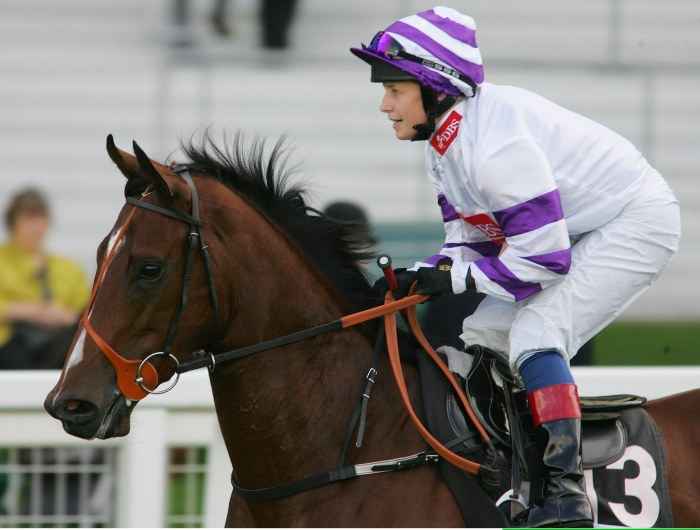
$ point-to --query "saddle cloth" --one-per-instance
(627, 487)
(623, 453)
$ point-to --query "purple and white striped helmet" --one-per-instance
(436, 47)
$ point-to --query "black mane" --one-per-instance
(334, 247)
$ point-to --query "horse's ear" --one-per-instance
(126, 162)
(152, 173)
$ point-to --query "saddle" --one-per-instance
(615, 430)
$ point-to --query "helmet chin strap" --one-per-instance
(433, 109)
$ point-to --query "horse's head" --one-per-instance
(151, 294)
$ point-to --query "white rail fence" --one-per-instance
(155, 465)
(172, 469)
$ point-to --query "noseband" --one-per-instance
(138, 378)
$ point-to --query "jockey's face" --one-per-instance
(403, 104)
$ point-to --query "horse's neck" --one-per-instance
(284, 412)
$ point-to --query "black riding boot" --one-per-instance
(563, 501)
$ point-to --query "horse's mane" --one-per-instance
(334, 247)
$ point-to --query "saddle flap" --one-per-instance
(603, 442)
(612, 403)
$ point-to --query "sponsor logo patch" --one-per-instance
(487, 226)
(445, 135)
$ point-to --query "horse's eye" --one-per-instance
(150, 271)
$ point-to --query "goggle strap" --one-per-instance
(437, 66)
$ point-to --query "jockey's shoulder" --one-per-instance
(509, 101)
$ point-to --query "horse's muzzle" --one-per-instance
(85, 420)
(79, 418)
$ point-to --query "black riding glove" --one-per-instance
(438, 281)
(404, 278)
(433, 282)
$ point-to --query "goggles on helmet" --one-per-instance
(386, 45)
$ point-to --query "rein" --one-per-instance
(138, 378)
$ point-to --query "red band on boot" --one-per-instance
(556, 402)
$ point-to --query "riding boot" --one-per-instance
(558, 497)
(563, 500)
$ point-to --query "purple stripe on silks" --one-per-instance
(495, 270)
(474, 71)
(452, 28)
(448, 211)
(558, 262)
(485, 248)
(435, 259)
(530, 215)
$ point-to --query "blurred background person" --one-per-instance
(352, 213)
(275, 18)
(218, 18)
(41, 294)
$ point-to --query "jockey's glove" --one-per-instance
(433, 282)
(438, 281)
(404, 278)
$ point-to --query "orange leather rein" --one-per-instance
(395, 361)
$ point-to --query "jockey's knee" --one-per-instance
(520, 359)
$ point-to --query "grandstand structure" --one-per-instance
(74, 71)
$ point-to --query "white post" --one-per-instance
(142, 479)
(217, 490)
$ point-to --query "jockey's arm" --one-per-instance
(518, 185)
(454, 250)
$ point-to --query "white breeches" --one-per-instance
(610, 267)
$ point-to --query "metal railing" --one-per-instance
(57, 486)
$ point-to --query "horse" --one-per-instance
(271, 266)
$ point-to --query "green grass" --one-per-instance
(648, 343)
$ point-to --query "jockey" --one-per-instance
(560, 221)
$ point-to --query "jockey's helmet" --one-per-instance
(436, 48)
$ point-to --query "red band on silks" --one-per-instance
(487, 226)
(556, 402)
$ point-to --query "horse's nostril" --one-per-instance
(77, 411)
(73, 406)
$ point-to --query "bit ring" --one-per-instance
(139, 375)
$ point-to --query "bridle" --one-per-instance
(138, 378)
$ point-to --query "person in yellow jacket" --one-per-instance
(41, 295)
